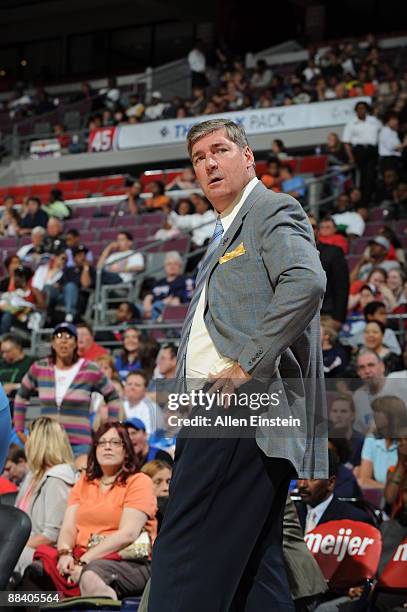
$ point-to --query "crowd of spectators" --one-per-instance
(345, 70)
(103, 408)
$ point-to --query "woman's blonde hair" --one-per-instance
(47, 445)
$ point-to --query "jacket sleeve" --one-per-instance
(292, 261)
(55, 498)
(28, 387)
(110, 395)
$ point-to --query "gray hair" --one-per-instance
(234, 132)
(38, 230)
(367, 351)
(173, 255)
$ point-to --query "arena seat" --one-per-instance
(344, 561)
(317, 164)
(372, 229)
(90, 184)
(8, 243)
(376, 214)
(359, 246)
(108, 234)
(15, 529)
(175, 313)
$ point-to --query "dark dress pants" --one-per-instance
(366, 162)
(220, 544)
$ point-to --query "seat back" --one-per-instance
(394, 574)
(347, 552)
(15, 529)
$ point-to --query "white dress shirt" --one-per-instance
(358, 132)
(202, 226)
(146, 410)
(388, 141)
(202, 358)
(197, 61)
(314, 515)
(125, 260)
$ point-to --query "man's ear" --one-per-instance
(331, 483)
(249, 155)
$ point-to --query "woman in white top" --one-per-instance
(45, 490)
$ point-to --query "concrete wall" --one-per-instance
(49, 170)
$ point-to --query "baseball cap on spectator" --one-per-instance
(69, 328)
(135, 423)
(157, 95)
(382, 241)
(369, 286)
(57, 247)
(79, 249)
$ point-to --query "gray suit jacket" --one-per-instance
(262, 310)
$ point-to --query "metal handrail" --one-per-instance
(148, 327)
(150, 272)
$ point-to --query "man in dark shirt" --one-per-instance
(34, 217)
(319, 503)
(139, 438)
(53, 240)
(333, 261)
(13, 363)
(76, 282)
(172, 290)
(72, 241)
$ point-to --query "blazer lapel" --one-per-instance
(253, 196)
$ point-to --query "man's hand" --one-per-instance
(228, 380)
(355, 592)
(9, 387)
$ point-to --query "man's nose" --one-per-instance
(210, 162)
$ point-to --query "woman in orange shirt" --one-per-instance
(104, 546)
(159, 200)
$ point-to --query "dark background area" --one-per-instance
(55, 40)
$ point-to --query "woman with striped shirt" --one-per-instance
(64, 384)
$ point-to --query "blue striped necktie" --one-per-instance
(199, 285)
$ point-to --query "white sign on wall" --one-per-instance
(259, 121)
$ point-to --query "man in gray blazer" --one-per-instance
(253, 323)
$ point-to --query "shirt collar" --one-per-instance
(228, 215)
(320, 509)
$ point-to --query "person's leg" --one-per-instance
(6, 322)
(117, 579)
(264, 584)
(370, 174)
(223, 496)
(70, 298)
(157, 309)
(92, 585)
(111, 278)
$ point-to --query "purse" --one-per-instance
(137, 550)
